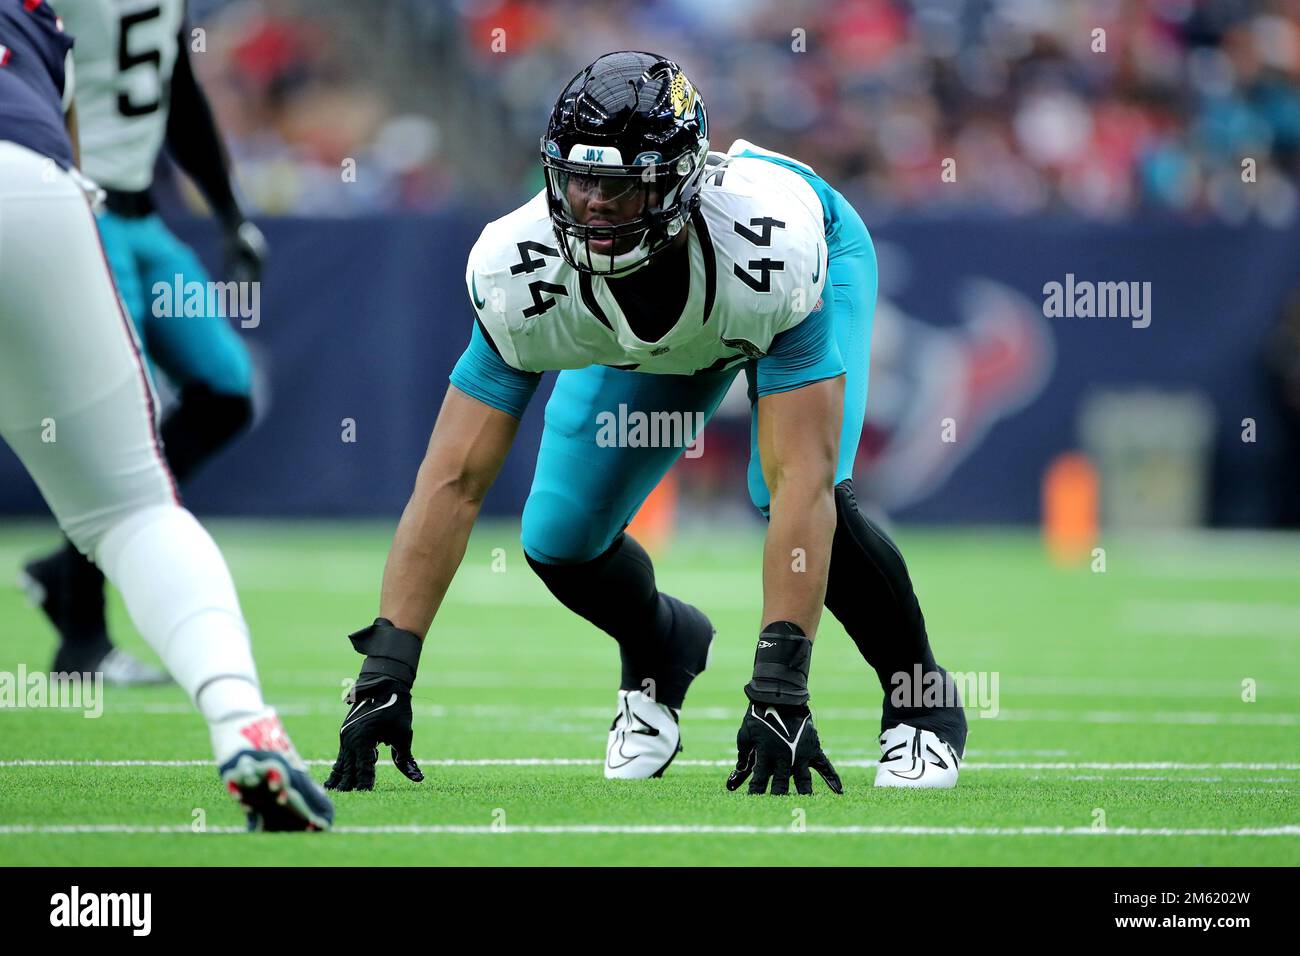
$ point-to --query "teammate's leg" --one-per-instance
(65, 584)
(584, 494)
(77, 409)
(869, 589)
(204, 359)
(202, 356)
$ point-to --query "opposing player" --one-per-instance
(135, 92)
(650, 272)
(77, 408)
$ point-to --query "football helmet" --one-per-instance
(628, 125)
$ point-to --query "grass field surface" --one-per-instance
(1125, 730)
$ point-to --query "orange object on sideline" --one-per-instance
(653, 524)
(1071, 508)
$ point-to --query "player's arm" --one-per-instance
(798, 441)
(474, 431)
(468, 445)
(195, 143)
(800, 410)
(470, 440)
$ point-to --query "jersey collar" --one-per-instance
(695, 314)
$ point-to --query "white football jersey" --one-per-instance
(125, 53)
(757, 251)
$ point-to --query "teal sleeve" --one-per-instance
(802, 355)
(482, 373)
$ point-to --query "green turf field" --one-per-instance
(1120, 702)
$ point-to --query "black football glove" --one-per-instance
(777, 739)
(381, 708)
(776, 742)
(244, 251)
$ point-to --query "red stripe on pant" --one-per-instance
(128, 329)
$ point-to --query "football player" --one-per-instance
(650, 272)
(135, 92)
(77, 407)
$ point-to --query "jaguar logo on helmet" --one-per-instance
(683, 95)
(629, 104)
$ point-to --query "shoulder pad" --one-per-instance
(771, 251)
(514, 275)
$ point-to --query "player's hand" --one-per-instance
(777, 742)
(381, 708)
(244, 250)
(380, 714)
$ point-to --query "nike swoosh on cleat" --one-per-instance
(356, 715)
(916, 776)
(622, 739)
(649, 731)
(887, 755)
(937, 758)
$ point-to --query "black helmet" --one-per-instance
(630, 120)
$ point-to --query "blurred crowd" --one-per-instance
(1097, 108)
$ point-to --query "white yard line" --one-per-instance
(1245, 717)
(1235, 619)
(685, 829)
(593, 762)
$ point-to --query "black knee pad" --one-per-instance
(615, 590)
(659, 637)
(200, 425)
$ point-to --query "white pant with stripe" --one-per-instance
(75, 403)
(78, 409)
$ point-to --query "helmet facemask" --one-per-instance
(667, 192)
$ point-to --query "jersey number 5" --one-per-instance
(765, 266)
(127, 60)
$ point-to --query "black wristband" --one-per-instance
(390, 652)
(781, 663)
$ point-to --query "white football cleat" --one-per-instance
(643, 739)
(916, 758)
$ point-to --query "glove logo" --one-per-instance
(356, 714)
(771, 712)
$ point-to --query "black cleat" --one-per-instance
(276, 796)
(70, 593)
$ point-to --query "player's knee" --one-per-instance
(88, 531)
(557, 530)
(168, 568)
(88, 522)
